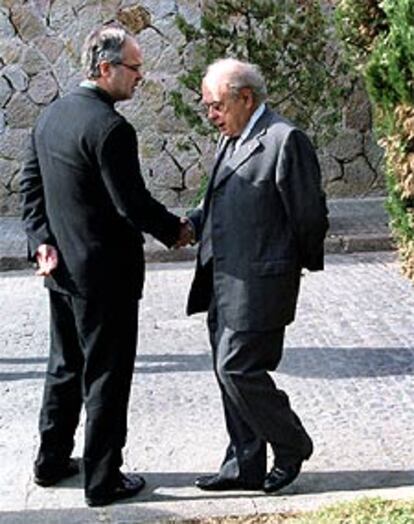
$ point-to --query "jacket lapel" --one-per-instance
(245, 151)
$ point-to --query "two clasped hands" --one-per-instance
(187, 235)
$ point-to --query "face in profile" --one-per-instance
(229, 112)
(124, 77)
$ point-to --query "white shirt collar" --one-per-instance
(250, 124)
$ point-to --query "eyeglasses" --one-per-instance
(136, 68)
(217, 106)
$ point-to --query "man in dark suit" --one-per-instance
(263, 219)
(85, 207)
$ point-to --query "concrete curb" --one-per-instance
(356, 225)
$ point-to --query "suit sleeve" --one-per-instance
(195, 216)
(33, 202)
(118, 159)
(299, 181)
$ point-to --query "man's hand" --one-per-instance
(186, 233)
(47, 260)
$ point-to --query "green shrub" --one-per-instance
(380, 40)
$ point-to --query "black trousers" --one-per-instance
(256, 411)
(91, 361)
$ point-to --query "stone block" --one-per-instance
(8, 170)
(28, 24)
(43, 88)
(9, 203)
(5, 91)
(330, 169)
(167, 122)
(153, 94)
(13, 143)
(66, 67)
(185, 149)
(51, 47)
(359, 177)
(150, 144)
(16, 76)
(169, 62)
(357, 111)
(21, 112)
(10, 50)
(373, 152)
(190, 10)
(164, 172)
(346, 146)
(194, 176)
(152, 44)
(138, 114)
(61, 16)
(159, 9)
(6, 27)
(33, 62)
(15, 180)
(135, 17)
(168, 28)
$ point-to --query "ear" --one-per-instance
(247, 96)
(105, 68)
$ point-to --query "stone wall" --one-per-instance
(40, 44)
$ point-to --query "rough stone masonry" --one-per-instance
(40, 44)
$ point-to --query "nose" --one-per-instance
(212, 113)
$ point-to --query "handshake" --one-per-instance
(187, 234)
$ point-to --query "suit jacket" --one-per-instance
(83, 193)
(269, 220)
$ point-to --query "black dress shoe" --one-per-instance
(217, 483)
(68, 470)
(127, 486)
(280, 476)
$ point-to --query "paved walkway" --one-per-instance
(355, 225)
(348, 368)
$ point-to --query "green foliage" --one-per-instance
(390, 70)
(290, 40)
(364, 511)
(380, 40)
(359, 22)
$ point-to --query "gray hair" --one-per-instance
(237, 74)
(104, 43)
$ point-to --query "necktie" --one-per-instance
(230, 147)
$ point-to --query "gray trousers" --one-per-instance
(256, 411)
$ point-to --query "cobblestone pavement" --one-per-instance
(348, 368)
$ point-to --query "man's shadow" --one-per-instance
(307, 483)
(160, 486)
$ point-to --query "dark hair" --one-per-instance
(104, 43)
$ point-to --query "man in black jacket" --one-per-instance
(85, 206)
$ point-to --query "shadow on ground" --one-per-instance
(306, 362)
(308, 483)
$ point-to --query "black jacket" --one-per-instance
(83, 193)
